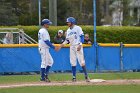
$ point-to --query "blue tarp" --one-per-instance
(28, 59)
(131, 58)
(19, 59)
(108, 58)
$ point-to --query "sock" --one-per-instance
(47, 70)
(42, 73)
(74, 71)
(84, 70)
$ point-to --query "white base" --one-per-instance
(97, 80)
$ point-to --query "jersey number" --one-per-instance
(75, 37)
(39, 36)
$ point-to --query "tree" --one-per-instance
(28, 12)
(7, 16)
(62, 9)
(98, 10)
(126, 17)
(53, 11)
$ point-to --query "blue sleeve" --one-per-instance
(49, 44)
(82, 38)
(68, 41)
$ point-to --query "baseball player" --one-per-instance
(44, 45)
(75, 37)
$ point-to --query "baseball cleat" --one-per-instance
(74, 80)
(87, 79)
(47, 79)
(41, 79)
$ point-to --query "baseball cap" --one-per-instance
(46, 21)
(60, 31)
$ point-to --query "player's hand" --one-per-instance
(61, 45)
(57, 48)
(79, 47)
(89, 42)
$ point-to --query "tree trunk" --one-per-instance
(126, 15)
(53, 11)
(98, 11)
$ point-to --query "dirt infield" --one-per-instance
(63, 83)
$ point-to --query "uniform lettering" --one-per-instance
(72, 33)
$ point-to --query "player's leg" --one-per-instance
(81, 60)
(49, 61)
(85, 73)
(43, 63)
(42, 74)
(73, 62)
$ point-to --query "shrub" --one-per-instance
(104, 34)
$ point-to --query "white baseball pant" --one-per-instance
(46, 58)
(74, 55)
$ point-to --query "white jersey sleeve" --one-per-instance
(80, 30)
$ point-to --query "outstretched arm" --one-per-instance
(61, 45)
(49, 44)
(65, 42)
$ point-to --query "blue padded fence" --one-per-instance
(109, 58)
(24, 59)
(131, 58)
(19, 59)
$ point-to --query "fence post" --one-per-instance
(121, 57)
(21, 37)
(96, 57)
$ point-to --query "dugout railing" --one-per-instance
(16, 36)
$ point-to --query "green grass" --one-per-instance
(75, 89)
(65, 77)
(72, 89)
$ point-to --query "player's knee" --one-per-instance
(73, 64)
(82, 64)
(43, 66)
(50, 63)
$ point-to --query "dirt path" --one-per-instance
(62, 83)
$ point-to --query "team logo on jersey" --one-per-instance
(72, 33)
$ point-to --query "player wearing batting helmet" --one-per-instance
(44, 45)
(75, 37)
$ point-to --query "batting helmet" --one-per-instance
(46, 21)
(71, 20)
